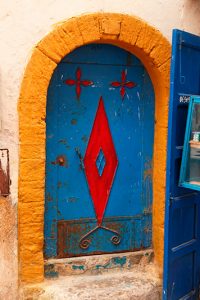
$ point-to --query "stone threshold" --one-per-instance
(121, 276)
(139, 283)
(97, 264)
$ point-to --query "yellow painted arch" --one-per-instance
(124, 31)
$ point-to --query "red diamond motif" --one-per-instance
(100, 140)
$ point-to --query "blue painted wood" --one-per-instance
(69, 124)
(182, 231)
(102, 54)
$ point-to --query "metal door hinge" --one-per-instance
(4, 173)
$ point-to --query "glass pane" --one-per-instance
(192, 174)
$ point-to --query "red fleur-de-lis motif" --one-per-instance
(123, 84)
(78, 82)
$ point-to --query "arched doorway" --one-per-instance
(127, 32)
(99, 151)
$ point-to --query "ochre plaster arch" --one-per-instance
(127, 32)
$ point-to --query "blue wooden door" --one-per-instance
(99, 148)
(182, 219)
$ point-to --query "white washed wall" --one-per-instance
(22, 24)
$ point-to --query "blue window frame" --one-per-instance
(190, 165)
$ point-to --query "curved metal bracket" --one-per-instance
(85, 242)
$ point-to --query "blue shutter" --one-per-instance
(182, 216)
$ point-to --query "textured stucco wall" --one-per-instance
(22, 24)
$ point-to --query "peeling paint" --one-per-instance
(75, 267)
(114, 261)
(84, 138)
(74, 121)
(48, 197)
(50, 271)
(119, 260)
(72, 199)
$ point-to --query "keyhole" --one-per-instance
(61, 160)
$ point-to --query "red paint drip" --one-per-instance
(100, 139)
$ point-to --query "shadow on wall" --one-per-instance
(191, 11)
